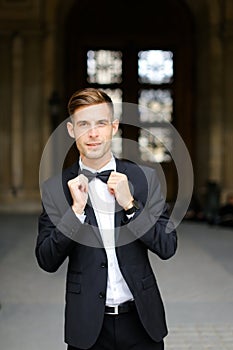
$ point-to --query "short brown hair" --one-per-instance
(88, 97)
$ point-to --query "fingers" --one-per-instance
(119, 186)
(78, 183)
(113, 181)
(79, 192)
(116, 177)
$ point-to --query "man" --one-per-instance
(105, 228)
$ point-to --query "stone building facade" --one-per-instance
(33, 42)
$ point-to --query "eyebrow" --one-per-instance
(96, 121)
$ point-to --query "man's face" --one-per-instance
(93, 129)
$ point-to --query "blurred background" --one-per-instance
(172, 56)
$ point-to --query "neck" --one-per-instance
(96, 163)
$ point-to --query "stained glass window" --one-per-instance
(155, 66)
(155, 144)
(158, 103)
(104, 67)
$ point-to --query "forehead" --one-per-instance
(95, 112)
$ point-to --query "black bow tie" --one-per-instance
(103, 175)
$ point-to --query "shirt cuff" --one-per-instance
(129, 216)
(81, 217)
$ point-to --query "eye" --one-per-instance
(102, 122)
(82, 123)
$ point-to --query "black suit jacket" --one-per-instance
(62, 235)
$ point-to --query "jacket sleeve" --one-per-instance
(55, 231)
(152, 224)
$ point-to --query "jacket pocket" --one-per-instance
(148, 282)
(74, 282)
(74, 288)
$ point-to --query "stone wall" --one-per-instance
(30, 70)
(24, 116)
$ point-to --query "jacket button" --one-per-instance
(101, 295)
(103, 264)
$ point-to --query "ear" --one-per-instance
(115, 126)
(70, 129)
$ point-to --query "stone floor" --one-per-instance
(196, 285)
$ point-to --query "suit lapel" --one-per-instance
(69, 174)
(119, 212)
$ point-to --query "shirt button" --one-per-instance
(101, 295)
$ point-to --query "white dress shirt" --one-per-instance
(104, 207)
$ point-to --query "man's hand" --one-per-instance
(79, 191)
(118, 186)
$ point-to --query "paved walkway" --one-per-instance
(196, 285)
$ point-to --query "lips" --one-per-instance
(93, 144)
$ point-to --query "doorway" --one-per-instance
(136, 45)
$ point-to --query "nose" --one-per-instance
(93, 131)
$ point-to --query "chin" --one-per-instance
(97, 153)
(94, 155)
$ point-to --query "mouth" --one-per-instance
(93, 144)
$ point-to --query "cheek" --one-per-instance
(79, 142)
(108, 135)
(79, 137)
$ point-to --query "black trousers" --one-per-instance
(123, 332)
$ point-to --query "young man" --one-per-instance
(106, 227)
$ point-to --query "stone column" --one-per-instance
(33, 103)
(25, 86)
(228, 108)
(17, 116)
(5, 115)
(215, 105)
(22, 120)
